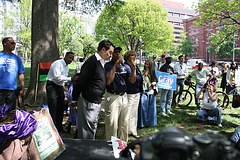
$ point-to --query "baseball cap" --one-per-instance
(163, 55)
(168, 56)
(154, 56)
(116, 47)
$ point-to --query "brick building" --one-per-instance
(176, 13)
(199, 35)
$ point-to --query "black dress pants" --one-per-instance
(8, 97)
(55, 98)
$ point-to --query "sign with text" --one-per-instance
(166, 80)
(46, 137)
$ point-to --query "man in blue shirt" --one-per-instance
(11, 67)
(166, 94)
(116, 108)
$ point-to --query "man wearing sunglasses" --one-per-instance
(11, 67)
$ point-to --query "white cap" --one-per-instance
(168, 56)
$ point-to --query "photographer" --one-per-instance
(209, 108)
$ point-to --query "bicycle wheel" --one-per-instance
(185, 100)
(223, 100)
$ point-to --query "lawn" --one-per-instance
(185, 117)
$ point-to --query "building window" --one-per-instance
(170, 22)
(176, 23)
(177, 14)
(176, 32)
(196, 40)
(178, 28)
(195, 52)
(181, 24)
(170, 13)
(183, 15)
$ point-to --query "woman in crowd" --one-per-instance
(133, 94)
(147, 114)
(209, 107)
(233, 79)
(224, 74)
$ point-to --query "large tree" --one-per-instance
(125, 25)
(71, 33)
(45, 42)
(89, 45)
(44, 46)
(224, 14)
(225, 48)
(20, 25)
(186, 45)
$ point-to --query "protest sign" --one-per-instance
(166, 80)
(46, 137)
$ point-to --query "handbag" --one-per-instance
(155, 89)
(231, 90)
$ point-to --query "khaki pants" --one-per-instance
(133, 103)
(116, 116)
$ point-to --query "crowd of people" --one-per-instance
(130, 94)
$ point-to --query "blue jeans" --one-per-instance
(147, 111)
(180, 84)
(198, 88)
(166, 99)
(216, 112)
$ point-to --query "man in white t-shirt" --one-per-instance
(181, 70)
(201, 78)
(214, 71)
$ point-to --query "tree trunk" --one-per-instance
(44, 46)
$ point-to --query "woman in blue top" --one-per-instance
(147, 114)
(133, 94)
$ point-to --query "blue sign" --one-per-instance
(166, 80)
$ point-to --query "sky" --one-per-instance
(187, 3)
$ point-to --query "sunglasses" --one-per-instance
(12, 43)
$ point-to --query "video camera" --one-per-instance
(174, 144)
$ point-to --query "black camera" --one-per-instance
(205, 85)
(174, 144)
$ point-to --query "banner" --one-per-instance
(166, 80)
(43, 70)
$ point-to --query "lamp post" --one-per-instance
(140, 53)
(233, 39)
(233, 46)
(207, 53)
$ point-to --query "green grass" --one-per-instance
(185, 117)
